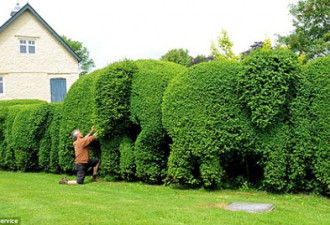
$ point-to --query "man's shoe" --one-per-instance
(63, 181)
(94, 179)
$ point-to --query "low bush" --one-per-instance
(127, 162)
(110, 158)
(49, 144)
(27, 130)
(148, 86)
(8, 150)
(6, 103)
(3, 114)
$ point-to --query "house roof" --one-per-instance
(28, 7)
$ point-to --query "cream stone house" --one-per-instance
(35, 63)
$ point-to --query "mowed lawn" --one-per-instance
(37, 198)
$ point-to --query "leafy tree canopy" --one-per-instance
(180, 56)
(311, 32)
(222, 50)
(86, 62)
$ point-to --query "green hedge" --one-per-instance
(112, 98)
(27, 130)
(202, 114)
(6, 103)
(78, 113)
(266, 84)
(110, 158)
(49, 144)
(127, 162)
(8, 160)
(112, 93)
(3, 114)
(148, 86)
(311, 137)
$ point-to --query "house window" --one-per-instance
(27, 46)
(1, 86)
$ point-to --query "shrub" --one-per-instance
(7, 152)
(127, 162)
(3, 114)
(202, 115)
(6, 103)
(310, 118)
(8, 160)
(266, 84)
(148, 86)
(28, 128)
(54, 129)
(78, 113)
(110, 158)
(275, 145)
(49, 144)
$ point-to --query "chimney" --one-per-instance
(16, 9)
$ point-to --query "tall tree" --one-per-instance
(311, 34)
(86, 63)
(179, 56)
(222, 50)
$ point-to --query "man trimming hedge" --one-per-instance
(82, 160)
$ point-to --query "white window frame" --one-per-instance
(28, 43)
(3, 84)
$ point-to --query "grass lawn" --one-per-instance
(37, 198)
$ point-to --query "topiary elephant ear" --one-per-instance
(112, 98)
(266, 84)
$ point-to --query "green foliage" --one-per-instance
(222, 50)
(311, 28)
(9, 161)
(49, 144)
(78, 113)
(6, 103)
(202, 115)
(310, 121)
(3, 114)
(86, 63)
(266, 84)
(127, 162)
(110, 158)
(180, 56)
(148, 86)
(274, 144)
(112, 97)
(27, 131)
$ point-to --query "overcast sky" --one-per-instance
(135, 29)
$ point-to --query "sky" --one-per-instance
(146, 29)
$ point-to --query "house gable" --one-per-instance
(52, 54)
(28, 7)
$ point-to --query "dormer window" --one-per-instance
(27, 46)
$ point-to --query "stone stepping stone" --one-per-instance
(250, 207)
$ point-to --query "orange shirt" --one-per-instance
(81, 150)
